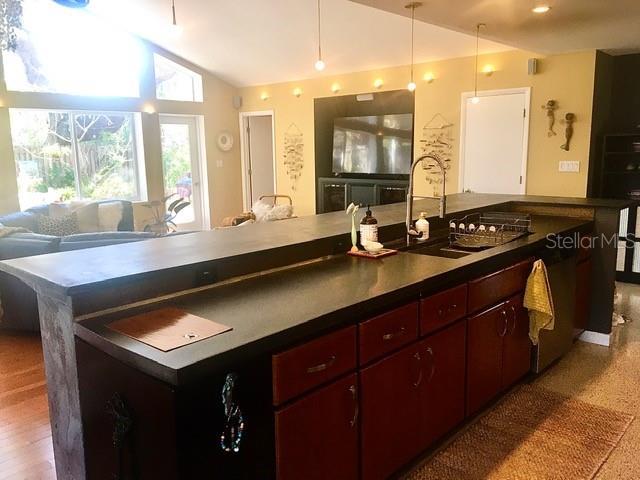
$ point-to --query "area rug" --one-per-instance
(533, 434)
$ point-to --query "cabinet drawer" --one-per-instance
(493, 288)
(316, 362)
(442, 309)
(387, 332)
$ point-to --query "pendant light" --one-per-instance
(176, 30)
(476, 98)
(411, 86)
(320, 63)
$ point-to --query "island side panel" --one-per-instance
(603, 277)
(58, 342)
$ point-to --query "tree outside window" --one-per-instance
(74, 155)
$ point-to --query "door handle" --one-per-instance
(505, 323)
(419, 360)
(322, 366)
(515, 317)
(432, 368)
(356, 408)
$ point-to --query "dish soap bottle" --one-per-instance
(422, 226)
(368, 228)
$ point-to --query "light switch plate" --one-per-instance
(569, 166)
(219, 164)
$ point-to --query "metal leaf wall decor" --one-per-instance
(10, 22)
(294, 154)
(437, 139)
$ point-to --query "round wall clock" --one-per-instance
(73, 3)
(225, 141)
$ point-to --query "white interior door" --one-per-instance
(181, 166)
(258, 161)
(494, 142)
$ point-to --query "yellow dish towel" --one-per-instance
(538, 300)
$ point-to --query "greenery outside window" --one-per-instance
(66, 155)
(68, 51)
(175, 82)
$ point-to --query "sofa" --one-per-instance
(18, 302)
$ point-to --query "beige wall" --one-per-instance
(223, 168)
(566, 78)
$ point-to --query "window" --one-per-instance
(175, 82)
(62, 50)
(63, 155)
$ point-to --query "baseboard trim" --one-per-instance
(598, 338)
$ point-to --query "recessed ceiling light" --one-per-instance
(541, 9)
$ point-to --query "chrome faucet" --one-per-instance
(411, 232)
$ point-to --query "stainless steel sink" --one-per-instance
(440, 248)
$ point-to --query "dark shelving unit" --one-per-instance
(620, 178)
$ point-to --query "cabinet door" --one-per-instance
(442, 390)
(583, 294)
(389, 194)
(484, 356)
(389, 403)
(317, 436)
(516, 358)
(334, 197)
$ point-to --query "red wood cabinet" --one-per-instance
(319, 361)
(388, 332)
(498, 351)
(493, 288)
(442, 389)
(484, 357)
(516, 354)
(441, 309)
(317, 436)
(389, 400)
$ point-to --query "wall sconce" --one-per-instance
(335, 88)
(149, 108)
(488, 70)
(297, 92)
(264, 96)
(429, 77)
(378, 83)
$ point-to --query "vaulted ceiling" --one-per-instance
(570, 25)
(253, 42)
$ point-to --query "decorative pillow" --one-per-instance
(88, 218)
(59, 227)
(110, 216)
(85, 210)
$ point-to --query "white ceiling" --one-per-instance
(253, 42)
(571, 25)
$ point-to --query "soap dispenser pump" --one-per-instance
(422, 226)
(368, 227)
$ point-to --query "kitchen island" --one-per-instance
(280, 286)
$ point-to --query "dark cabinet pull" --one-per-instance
(419, 360)
(442, 311)
(505, 323)
(432, 368)
(323, 366)
(356, 407)
(390, 336)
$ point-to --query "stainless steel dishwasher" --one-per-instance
(553, 344)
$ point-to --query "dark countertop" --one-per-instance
(68, 273)
(269, 312)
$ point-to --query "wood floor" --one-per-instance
(26, 451)
(603, 376)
